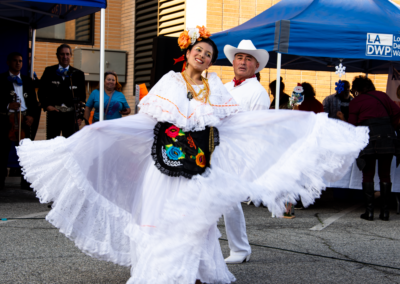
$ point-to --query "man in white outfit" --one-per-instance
(250, 95)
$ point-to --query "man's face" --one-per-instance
(244, 66)
(64, 57)
(15, 64)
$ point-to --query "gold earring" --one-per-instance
(207, 73)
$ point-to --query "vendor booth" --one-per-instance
(318, 35)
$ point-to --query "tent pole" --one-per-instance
(278, 80)
(33, 52)
(102, 27)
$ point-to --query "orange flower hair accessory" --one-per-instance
(190, 36)
(204, 33)
(184, 40)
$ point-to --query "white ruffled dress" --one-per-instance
(112, 201)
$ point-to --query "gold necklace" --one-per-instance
(193, 94)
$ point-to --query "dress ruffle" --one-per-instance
(165, 103)
(112, 201)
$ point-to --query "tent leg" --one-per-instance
(278, 80)
(33, 53)
(101, 83)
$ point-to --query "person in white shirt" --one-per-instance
(250, 95)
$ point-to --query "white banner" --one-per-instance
(393, 85)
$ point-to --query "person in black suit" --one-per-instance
(13, 84)
(60, 86)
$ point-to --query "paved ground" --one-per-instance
(32, 251)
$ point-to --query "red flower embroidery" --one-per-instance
(172, 131)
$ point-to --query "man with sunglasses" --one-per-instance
(61, 86)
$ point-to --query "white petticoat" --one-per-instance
(111, 200)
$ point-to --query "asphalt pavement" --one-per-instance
(341, 247)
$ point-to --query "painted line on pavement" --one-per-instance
(26, 216)
(333, 218)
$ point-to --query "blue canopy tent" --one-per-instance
(19, 16)
(318, 34)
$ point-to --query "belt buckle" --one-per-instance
(63, 108)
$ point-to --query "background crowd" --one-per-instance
(61, 93)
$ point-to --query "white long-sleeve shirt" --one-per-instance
(250, 94)
(20, 93)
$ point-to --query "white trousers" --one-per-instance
(235, 226)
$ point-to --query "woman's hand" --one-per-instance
(51, 108)
(126, 111)
(340, 115)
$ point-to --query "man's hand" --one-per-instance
(340, 115)
(14, 106)
(79, 121)
(29, 120)
(51, 108)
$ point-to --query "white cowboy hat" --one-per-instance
(247, 46)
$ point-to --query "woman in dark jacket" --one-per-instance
(310, 102)
(377, 111)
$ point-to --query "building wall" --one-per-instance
(226, 14)
(221, 15)
(119, 25)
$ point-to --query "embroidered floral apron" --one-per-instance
(178, 153)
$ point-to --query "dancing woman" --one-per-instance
(147, 190)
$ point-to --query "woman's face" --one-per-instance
(110, 82)
(199, 58)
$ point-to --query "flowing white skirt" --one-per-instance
(112, 201)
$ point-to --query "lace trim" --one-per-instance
(167, 101)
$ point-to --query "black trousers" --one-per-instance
(35, 124)
(59, 123)
(384, 164)
(5, 144)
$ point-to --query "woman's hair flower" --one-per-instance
(194, 34)
(172, 131)
(204, 33)
(184, 40)
(190, 36)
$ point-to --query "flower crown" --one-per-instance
(190, 36)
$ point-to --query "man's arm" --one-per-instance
(260, 100)
(43, 93)
(30, 100)
(326, 105)
(80, 83)
(5, 97)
